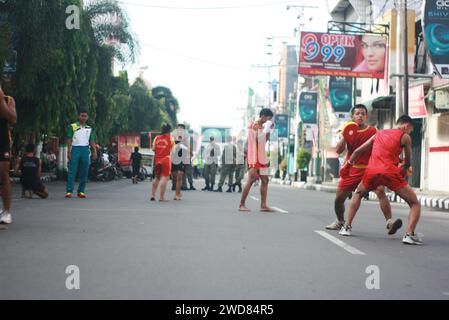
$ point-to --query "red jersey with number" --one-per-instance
(163, 145)
(361, 136)
(387, 148)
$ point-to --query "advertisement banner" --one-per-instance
(307, 107)
(281, 121)
(343, 55)
(435, 23)
(417, 106)
(219, 134)
(340, 93)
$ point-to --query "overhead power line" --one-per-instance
(199, 59)
(206, 8)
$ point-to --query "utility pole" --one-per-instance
(405, 59)
(399, 56)
(300, 9)
(270, 53)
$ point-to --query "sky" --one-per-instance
(209, 57)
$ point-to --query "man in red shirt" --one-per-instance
(384, 170)
(162, 148)
(350, 177)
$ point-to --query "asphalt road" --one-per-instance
(126, 247)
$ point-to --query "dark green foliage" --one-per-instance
(60, 70)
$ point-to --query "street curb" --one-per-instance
(437, 201)
(45, 179)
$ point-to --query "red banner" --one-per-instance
(416, 106)
(343, 55)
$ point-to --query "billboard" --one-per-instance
(308, 107)
(219, 134)
(340, 93)
(281, 121)
(343, 55)
(435, 24)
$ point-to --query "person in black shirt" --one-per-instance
(178, 166)
(8, 116)
(136, 163)
(31, 168)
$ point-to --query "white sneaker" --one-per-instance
(345, 230)
(5, 217)
(336, 225)
(415, 239)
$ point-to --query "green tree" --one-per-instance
(169, 102)
(302, 159)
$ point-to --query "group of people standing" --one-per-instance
(233, 160)
(372, 163)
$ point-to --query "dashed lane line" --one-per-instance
(340, 243)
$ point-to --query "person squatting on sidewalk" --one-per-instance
(30, 168)
(80, 139)
(228, 160)
(8, 117)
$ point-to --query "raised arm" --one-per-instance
(8, 109)
(341, 146)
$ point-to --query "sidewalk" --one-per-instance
(439, 200)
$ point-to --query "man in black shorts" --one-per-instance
(8, 116)
(136, 164)
(178, 166)
(31, 170)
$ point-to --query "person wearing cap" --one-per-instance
(228, 158)
(211, 156)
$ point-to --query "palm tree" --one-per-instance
(168, 100)
(111, 28)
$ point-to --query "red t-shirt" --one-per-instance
(386, 151)
(360, 138)
(163, 145)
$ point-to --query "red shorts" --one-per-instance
(162, 167)
(351, 179)
(262, 169)
(392, 180)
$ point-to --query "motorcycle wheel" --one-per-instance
(143, 174)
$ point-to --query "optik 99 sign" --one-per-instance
(342, 55)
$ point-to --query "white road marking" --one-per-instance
(340, 243)
(254, 198)
(109, 210)
(445, 293)
(279, 210)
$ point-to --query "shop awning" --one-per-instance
(381, 103)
